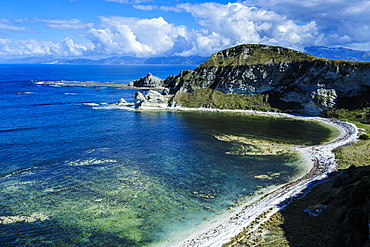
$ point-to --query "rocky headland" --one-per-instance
(277, 77)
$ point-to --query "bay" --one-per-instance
(74, 175)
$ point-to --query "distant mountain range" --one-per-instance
(110, 61)
(338, 53)
(318, 51)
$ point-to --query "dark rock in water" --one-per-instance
(148, 81)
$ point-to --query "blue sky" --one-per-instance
(147, 28)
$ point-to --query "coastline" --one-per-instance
(323, 163)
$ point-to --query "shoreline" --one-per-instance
(321, 156)
(323, 160)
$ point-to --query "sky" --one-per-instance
(148, 28)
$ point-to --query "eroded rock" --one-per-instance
(152, 99)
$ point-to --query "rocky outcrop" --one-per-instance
(152, 99)
(148, 81)
(295, 81)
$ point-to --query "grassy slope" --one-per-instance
(263, 54)
(210, 98)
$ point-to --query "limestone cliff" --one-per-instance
(294, 81)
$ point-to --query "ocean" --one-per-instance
(75, 172)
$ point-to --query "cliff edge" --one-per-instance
(290, 81)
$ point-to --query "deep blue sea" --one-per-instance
(77, 175)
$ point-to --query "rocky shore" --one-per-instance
(323, 161)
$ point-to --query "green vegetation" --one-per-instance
(253, 54)
(355, 154)
(361, 115)
(257, 54)
(343, 222)
(210, 98)
(364, 137)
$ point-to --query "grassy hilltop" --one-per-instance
(256, 54)
(253, 54)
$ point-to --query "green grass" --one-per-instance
(263, 54)
(356, 154)
(361, 116)
(210, 98)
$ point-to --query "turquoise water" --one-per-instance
(72, 175)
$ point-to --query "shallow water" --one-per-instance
(74, 175)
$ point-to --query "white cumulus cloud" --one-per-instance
(26, 48)
(133, 36)
(340, 22)
(236, 23)
(221, 26)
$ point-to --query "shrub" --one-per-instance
(364, 137)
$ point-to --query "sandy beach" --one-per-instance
(322, 161)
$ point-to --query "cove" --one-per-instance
(147, 178)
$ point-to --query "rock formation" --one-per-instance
(152, 99)
(295, 81)
(147, 81)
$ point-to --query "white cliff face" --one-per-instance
(316, 84)
(152, 99)
(325, 97)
